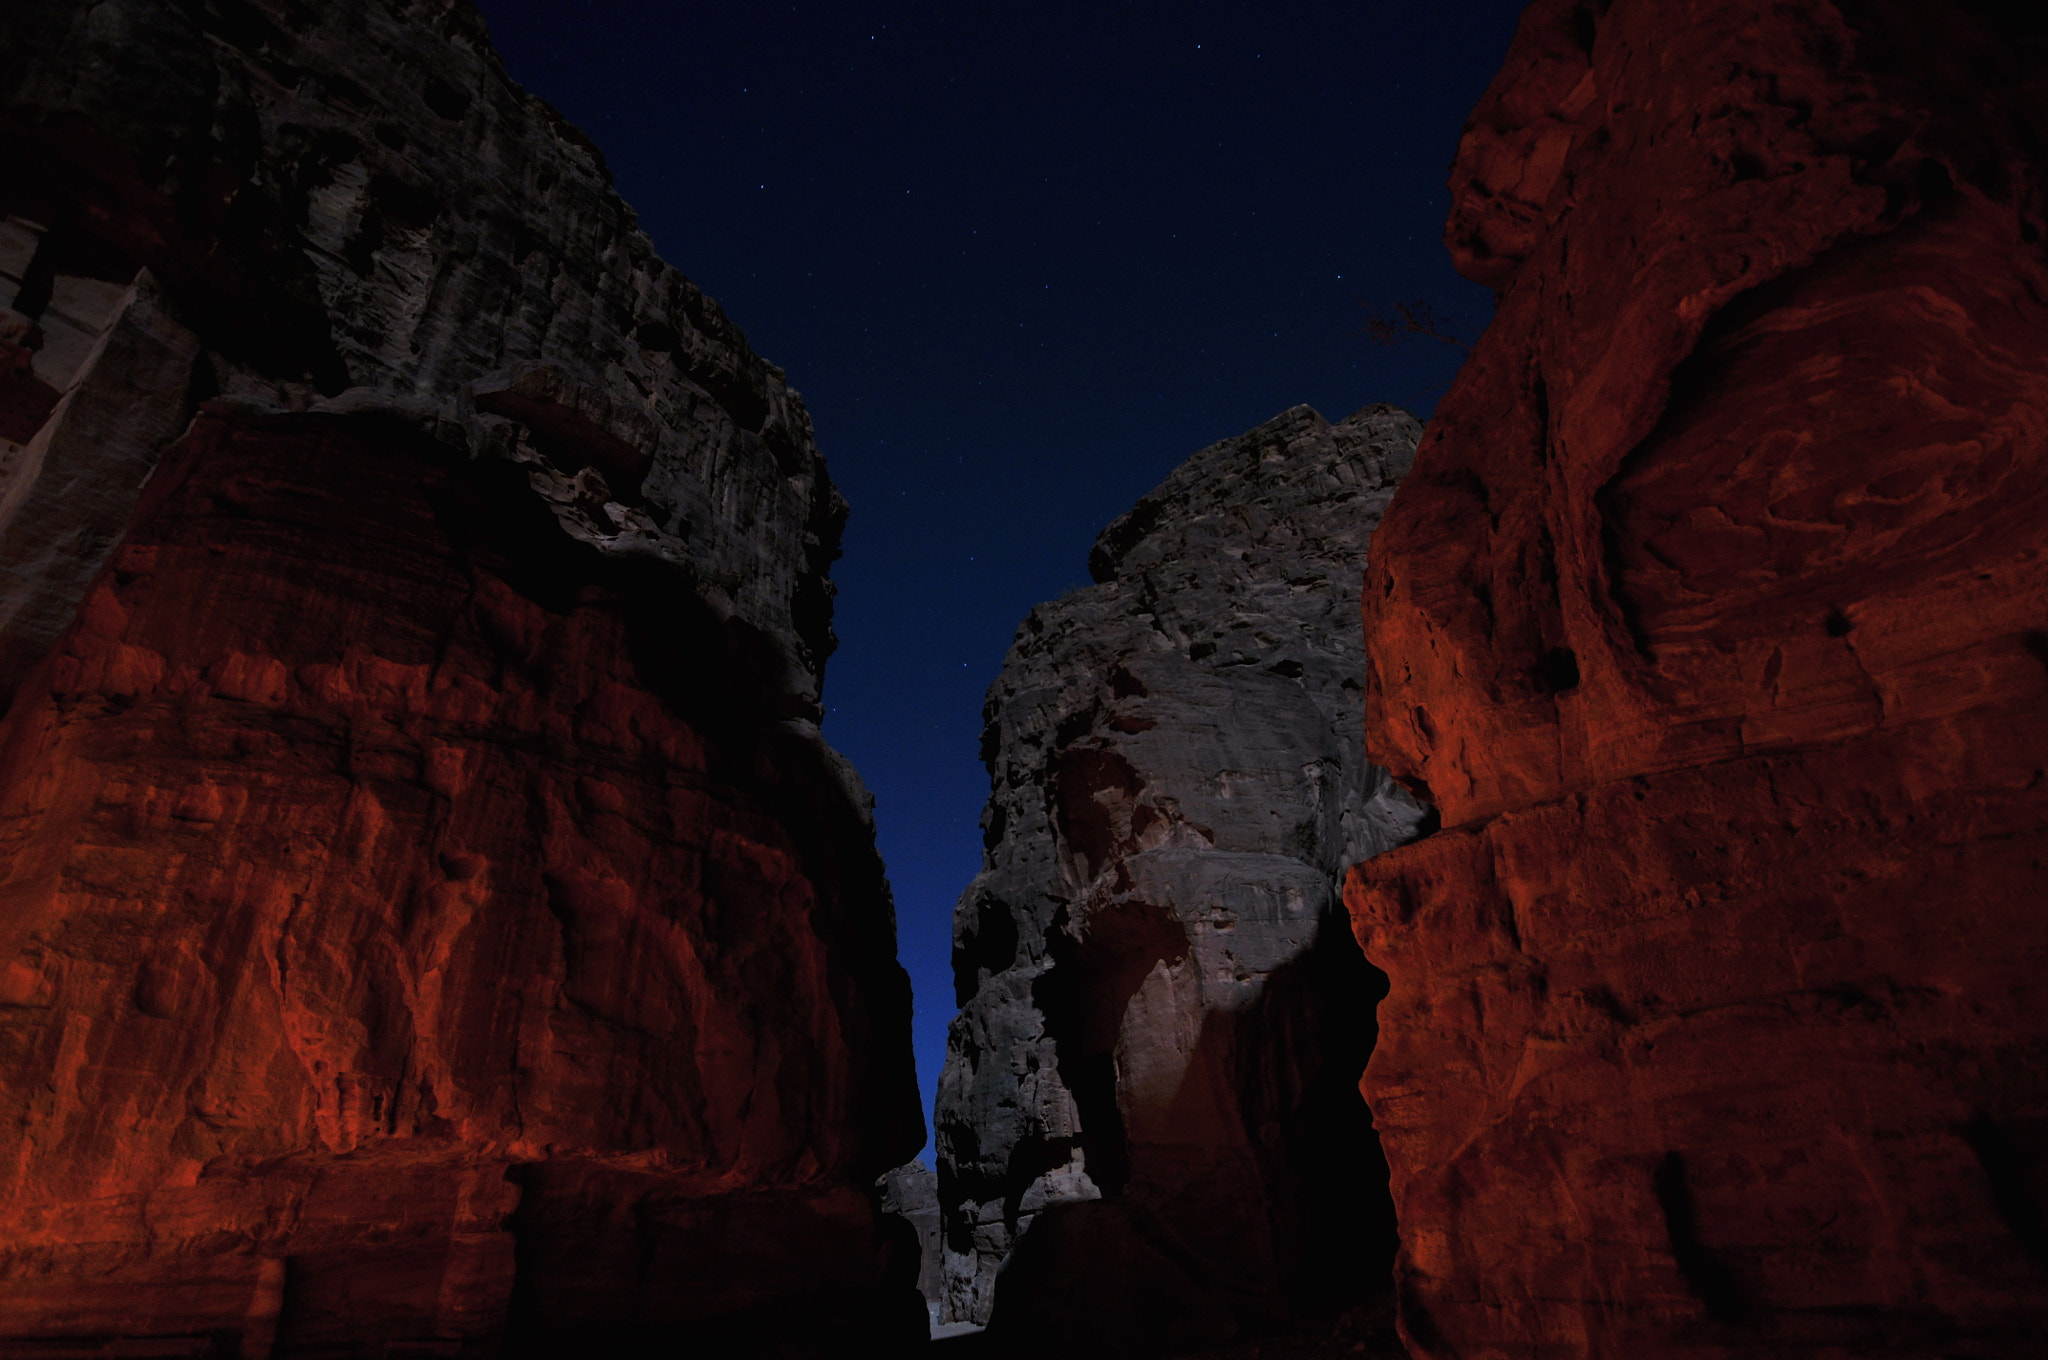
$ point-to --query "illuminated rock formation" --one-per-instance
(1149, 1105)
(1710, 621)
(428, 912)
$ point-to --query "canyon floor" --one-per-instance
(1365, 1332)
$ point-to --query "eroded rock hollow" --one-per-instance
(1710, 622)
(429, 915)
(1148, 1120)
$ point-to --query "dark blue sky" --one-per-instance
(1021, 260)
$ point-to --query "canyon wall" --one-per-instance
(1148, 1118)
(1710, 621)
(428, 911)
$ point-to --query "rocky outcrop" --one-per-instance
(1149, 1106)
(1710, 623)
(428, 912)
(359, 212)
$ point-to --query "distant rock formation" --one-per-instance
(427, 907)
(1711, 620)
(911, 1192)
(1149, 1104)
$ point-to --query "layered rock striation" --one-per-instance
(428, 912)
(1148, 1108)
(1709, 621)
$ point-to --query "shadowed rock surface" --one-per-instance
(1710, 621)
(1149, 1102)
(429, 917)
(912, 1193)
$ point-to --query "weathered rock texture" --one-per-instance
(1149, 1098)
(428, 912)
(1711, 621)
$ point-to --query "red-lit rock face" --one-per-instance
(1710, 620)
(364, 844)
(429, 914)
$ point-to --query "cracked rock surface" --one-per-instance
(1142, 1108)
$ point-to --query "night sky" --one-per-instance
(1022, 260)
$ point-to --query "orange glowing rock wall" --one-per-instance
(365, 844)
(1711, 621)
(357, 859)
(431, 921)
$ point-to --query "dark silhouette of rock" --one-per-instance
(429, 916)
(1710, 623)
(1149, 1105)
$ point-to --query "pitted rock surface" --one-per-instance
(1177, 788)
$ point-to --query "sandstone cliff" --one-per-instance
(1148, 1105)
(427, 906)
(1710, 620)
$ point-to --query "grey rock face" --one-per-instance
(911, 1192)
(355, 216)
(65, 496)
(1138, 1076)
